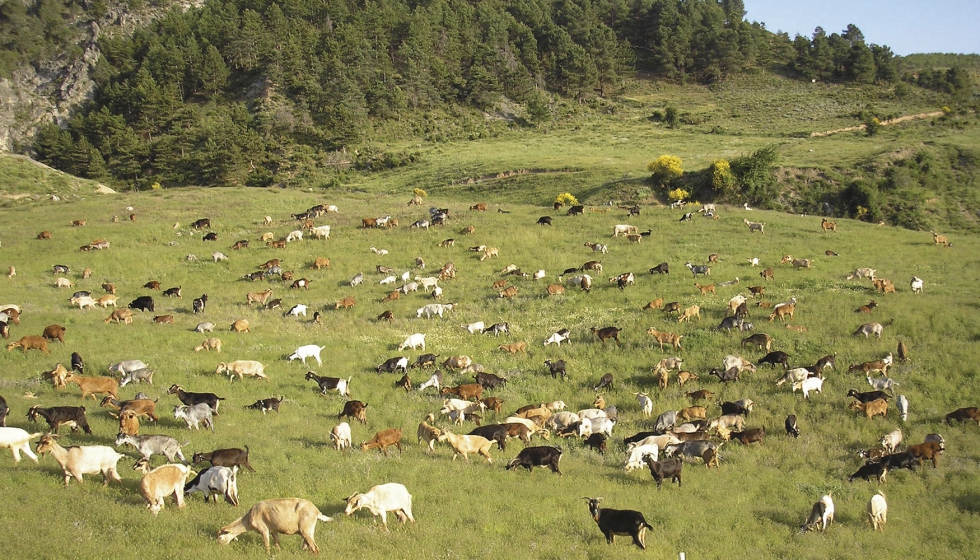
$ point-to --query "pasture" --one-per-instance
(752, 506)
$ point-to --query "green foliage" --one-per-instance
(671, 117)
(872, 126)
(756, 178)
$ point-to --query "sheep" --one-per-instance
(287, 516)
(381, 499)
(76, 461)
(878, 511)
(340, 435)
(18, 440)
(614, 522)
(161, 482)
(241, 368)
(195, 415)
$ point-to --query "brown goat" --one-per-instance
(383, 440)
(94, 385)
(30, 342)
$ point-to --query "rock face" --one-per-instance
(57, 87)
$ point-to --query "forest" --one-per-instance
(238, 91)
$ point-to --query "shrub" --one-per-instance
(666, 168)
(722, 179)
(677, 194)
(566, 198)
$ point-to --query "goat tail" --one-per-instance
(321, 517)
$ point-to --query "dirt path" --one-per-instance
(883, 123)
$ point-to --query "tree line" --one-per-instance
(254, 91)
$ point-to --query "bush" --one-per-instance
(566, 198)
(722, 179)
(666, 168)
(677, 195)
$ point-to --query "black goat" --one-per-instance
(72, 416)
(604, 381)
(614, 522)
(557, 368)
(791, 428)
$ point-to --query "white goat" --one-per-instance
(18, 440)
(381, 499)
(86, 459)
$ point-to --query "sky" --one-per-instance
(907, 26)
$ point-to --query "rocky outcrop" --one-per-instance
(54, 89)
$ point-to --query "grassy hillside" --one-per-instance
(752, 506)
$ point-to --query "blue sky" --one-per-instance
(907, 26)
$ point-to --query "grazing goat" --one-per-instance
(464, 445)
(340, 435)
(287, 516)
(381, 499)
(356, 410)
(964, 415)
(383, 440)
(878, 407)
(161, 482)
(663, 470)
(543, 456)
(878, 511)
(233, 457)
(215, 481)
(821, 516)
(614, 522)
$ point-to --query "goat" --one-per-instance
(57, 416)
(338, 384)
(383, 440)
(287, 516)
(161, 482)
(76, 461)
(191, 399)
(18, 440)
(662, 470)
(878, 511)
(381, 499)
(614, 522)
(821, 516)
(265, 405)
(233, 457)
(964, 415)
(340, 435)
(153, 444)
(543, 456)
(356, 410)
(878, 407)
(242, 368)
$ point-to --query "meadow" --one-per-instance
(751, 507)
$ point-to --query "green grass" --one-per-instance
(751, 507)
